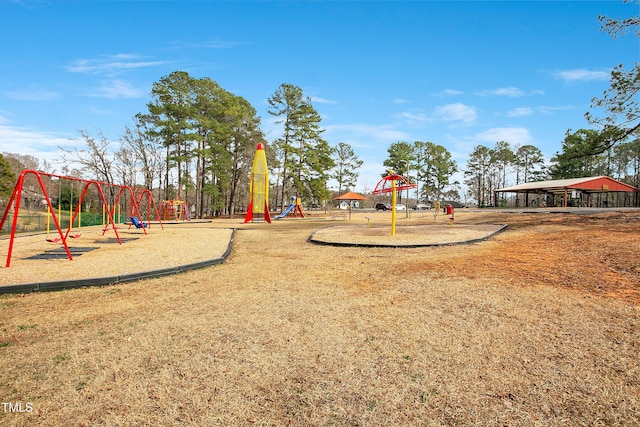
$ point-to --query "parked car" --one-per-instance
(383, 207)
(421, 207)
(400, 207)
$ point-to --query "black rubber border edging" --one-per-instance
(416, 245)
(112, 280)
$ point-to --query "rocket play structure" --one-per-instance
(258, 187)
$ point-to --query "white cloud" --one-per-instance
(319, 100)
(581, 74)
(32, 95)
(450, 92)
(520, 112)
(510, 92)
(512, 135)
(110, 64)
(548, 110)
(457, 112)
(370, 143)
(528, 111)
(117, 89)
(377, 132)
(42, 145)
(412, 119)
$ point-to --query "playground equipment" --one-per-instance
(392, 183)
(136, 198)
(258, 187)
(115, 210)
(137, 223)
(176, 210)
(294, 207)
(69, 200)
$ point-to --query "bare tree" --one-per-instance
(125, 166)
(94, 158)
(18, 162)
(143, 151)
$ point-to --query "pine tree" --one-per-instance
(529, 164)
(621, 118)
(477, 174)
(7, 181)
(347, 162)
(171, 113)
(576, 160)
(305, 155)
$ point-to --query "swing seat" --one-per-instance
(55, 240)
(75, 236)
(135, 221)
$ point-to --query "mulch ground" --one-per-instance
(96, 255)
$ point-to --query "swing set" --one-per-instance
(136, 197)
(49, 210)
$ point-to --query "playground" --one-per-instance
(98, 255)
(536, 325)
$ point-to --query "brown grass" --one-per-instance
(538, 326)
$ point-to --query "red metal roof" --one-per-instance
(590, 184)
(603, 183)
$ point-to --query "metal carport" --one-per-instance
(575, 189)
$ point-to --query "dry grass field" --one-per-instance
(537, 326)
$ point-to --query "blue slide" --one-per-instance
(286, 211)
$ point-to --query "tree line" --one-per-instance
(196, 142)
(428, 165)
(490, 168)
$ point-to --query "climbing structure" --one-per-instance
(174, 210)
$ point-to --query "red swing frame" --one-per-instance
(136, 197)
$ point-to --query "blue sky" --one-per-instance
(455, 73)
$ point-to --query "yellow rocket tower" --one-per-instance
(258, 187)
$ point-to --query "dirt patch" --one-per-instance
(595, 254)
(410, 235)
